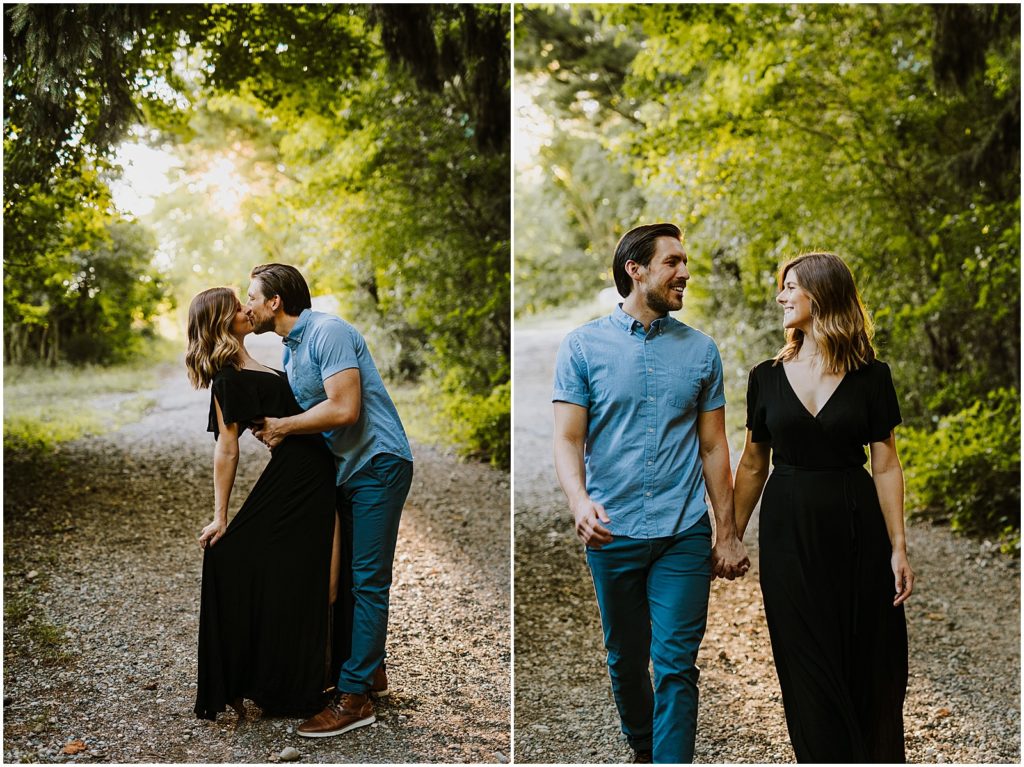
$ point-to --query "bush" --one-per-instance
(968, 468)
(479, 426)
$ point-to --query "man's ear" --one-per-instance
(275, 303)
(633, 269)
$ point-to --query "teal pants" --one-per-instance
(653, 597)
(370, 509)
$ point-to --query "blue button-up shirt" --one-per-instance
(643, 392)
(321, 345)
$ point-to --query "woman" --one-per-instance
(833, 550)
(263, 624)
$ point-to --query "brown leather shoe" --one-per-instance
(345, 713)
(379, 683)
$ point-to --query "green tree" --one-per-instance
(887, 133)
(374, 141)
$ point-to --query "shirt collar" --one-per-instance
(293, 339)
(631, 325)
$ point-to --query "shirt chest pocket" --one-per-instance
(307, 384)
(684, 385)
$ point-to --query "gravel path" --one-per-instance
(963, 701)
(101, 588)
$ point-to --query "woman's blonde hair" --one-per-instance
(211, 346)
(842, 326)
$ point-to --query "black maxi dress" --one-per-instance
(840, 647)
(263, 622)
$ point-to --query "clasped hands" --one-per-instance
(268, 431)
(729, 558)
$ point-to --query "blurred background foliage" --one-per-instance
(887, 133)
(366, 145)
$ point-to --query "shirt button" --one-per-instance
(650, 429)
(650, 370)
(650, 463)
(648, 495)
(650, 399)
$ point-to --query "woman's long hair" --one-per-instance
(842, 327)
(211, 346)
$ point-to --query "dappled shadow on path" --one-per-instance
(963, 701)
(100, 551)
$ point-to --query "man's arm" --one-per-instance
(728, 555)
(341, 408)
(570, 439)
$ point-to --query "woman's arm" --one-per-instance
(751, 474)
(888, 477)
(225, 464)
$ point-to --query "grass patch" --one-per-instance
(416, 408)
(477, 427)
(44, 407)
(27, 631)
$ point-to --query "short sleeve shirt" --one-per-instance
(643, 393)
(321, 345)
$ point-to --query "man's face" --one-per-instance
(258, 308)
(661, 283)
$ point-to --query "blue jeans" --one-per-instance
(653, 597)
(370, 508)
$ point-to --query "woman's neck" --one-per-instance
(809, 352)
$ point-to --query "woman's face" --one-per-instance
(241, 326)
(796, 304)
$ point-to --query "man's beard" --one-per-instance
(658, 303)
(262, 325)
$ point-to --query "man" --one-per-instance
(335, 380)
(639, 435)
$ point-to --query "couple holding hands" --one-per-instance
(640, 439)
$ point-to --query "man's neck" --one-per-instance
(283, 325)
(639, 310)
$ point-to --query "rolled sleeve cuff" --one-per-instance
(713, 404)
(572, 397)
(326, 373)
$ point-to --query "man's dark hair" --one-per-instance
(638, 245)
(285, 281)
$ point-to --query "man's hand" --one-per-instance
(269, 432)
(589, 516)
(729, 558)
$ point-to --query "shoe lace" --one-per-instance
(337, 706)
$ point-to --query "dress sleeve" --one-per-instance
(239, 401)
(884, 407)
(755, 409)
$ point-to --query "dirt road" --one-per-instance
(101, 590)
(963, 702)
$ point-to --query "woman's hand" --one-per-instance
(212, 532)
(904, 577)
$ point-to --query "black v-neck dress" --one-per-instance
(840, 647)
(263, 623)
